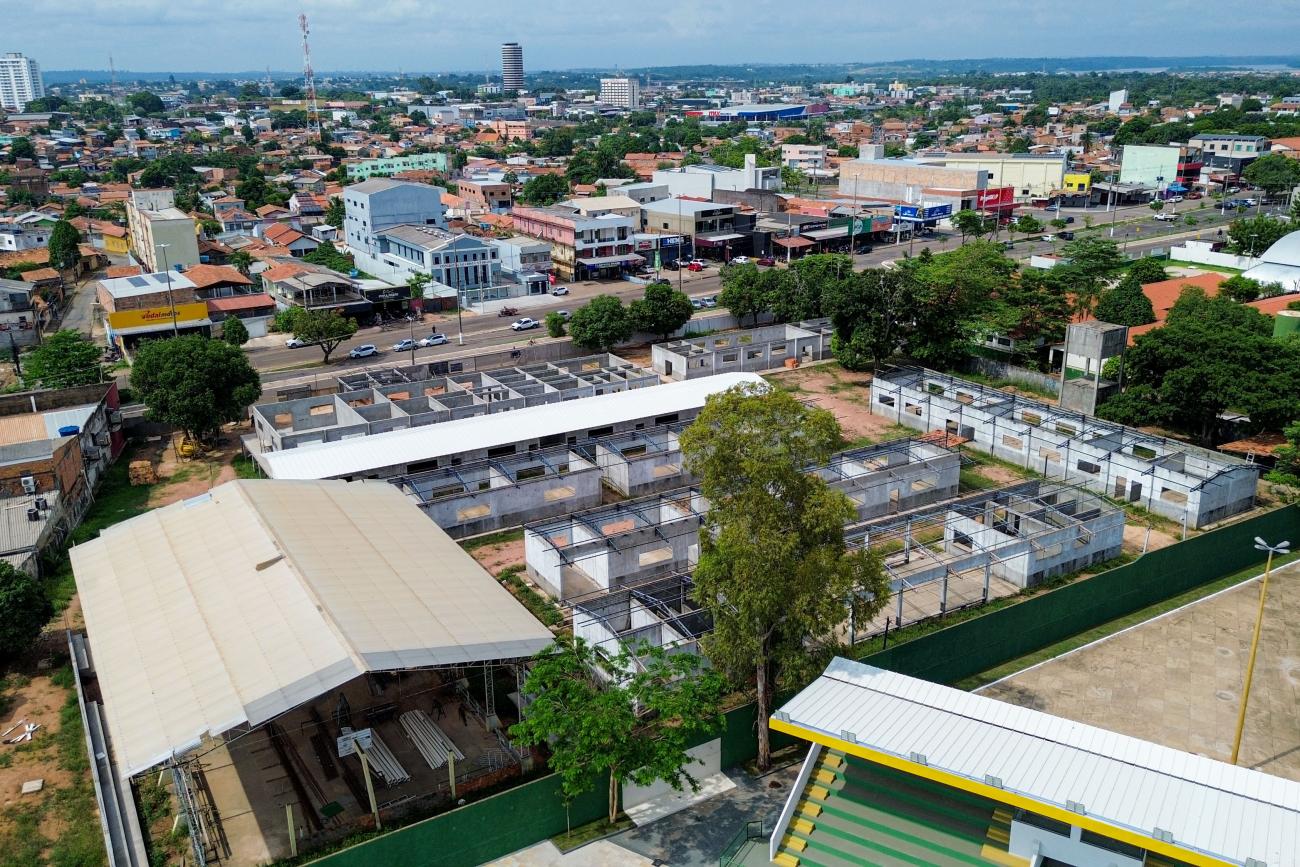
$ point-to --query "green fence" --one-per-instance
(531, 812)
(984, 642)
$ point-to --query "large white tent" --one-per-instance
(235, 606)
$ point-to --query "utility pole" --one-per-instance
(1279, 548)
(171, 298)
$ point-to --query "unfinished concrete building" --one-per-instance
(658, 613)
(638, 463)
(372, 403)
(489, 495)
(611, 547)
(987, 545)
(1171, 478)
(894, 476)
(757, 349)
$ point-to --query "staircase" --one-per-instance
(852, 812)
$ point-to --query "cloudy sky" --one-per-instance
(436, 35)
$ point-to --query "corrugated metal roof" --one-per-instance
(1209, 807)
(242, 603)
(408, 445)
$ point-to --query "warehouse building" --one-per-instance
(900, 770)
(343, 625)
(386, 452)
(757, 349)
(1187, 484)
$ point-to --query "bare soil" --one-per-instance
(38, 701)
(181, 478)
(845, 393)
(999, 474)
(495, 558)
(1135, 534)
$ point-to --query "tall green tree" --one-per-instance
(325, 329)
(242, 261)
(21, 148)
(774, 571)
(544, 190)
(872, 316)
(194, 384)
(146, 103)
(747, 291)
(631, 714)
(1148, 270)
(65, 246)
(234, 331)
(662, 310)
(1251, 236)
(1273, 172)
(953, 293)
(601, 323)
(334, 212)
(65, 359)
(1125, 304)
(970, 223)
(1025, 225)
(24, 611)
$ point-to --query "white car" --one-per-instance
(524, 324)
(740, 260)
(404, 345)
(563, 314)
(433, 340)
(1049, 238)
(559, 291)
(294, 343)
(1166, 218)
(365, 350)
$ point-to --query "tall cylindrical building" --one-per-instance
(512, 67)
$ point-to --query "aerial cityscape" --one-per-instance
(559, 436)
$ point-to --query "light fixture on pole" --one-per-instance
(1283, 547)
(171, 299)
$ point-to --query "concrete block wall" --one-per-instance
(755, 350)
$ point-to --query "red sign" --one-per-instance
(995, 197)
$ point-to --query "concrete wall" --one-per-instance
(1172, 479)
(1202, 252)
(757, 349)
(643, 462)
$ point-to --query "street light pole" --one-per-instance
(171, 298)
(1260, 545)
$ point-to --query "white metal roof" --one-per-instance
(242, 603)
(146, 284)
(408, 445)
(1221, 810)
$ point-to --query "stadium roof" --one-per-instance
(1178, 804)
(240, 604)
(427, 442)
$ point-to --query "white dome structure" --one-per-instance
(1280, 264)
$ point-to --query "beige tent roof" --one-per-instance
(242, 603)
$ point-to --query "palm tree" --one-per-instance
(241, 260)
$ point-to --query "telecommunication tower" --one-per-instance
(309, 83)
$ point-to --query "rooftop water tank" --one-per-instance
(69, 430)
(1287, 323)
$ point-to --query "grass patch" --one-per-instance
(973, 481)
(246, 467)
(21, 843)
(69, 741)
(1006, 382)
(541, 607)
(1201, 267)
(1142, 615)
(591, 832)
(500, 537)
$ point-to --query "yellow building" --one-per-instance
(1077, 182)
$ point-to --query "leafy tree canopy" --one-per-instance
(24, 611)
(65, 359)
(662, 311)
(601, 323)
(194, 383)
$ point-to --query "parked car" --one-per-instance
(524, 324)
(560, 291)
(697, 303)
(433, 340)
(700, 262)
(1194, 195)
(672, 265)
(709, 300)
(695, 266)
(365, 350)
(1174, 199)
(294, 343)
(1067, 236)
(766, 261)
(404, 345)
(740, 260)
(563, 314)
(1049, 238)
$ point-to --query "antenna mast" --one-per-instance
(112, 75)
(313, 109)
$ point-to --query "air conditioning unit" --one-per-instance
(33, 514)
(29, 484)
(92, 453)
(42, 504)
(101, 439)
(115, 419)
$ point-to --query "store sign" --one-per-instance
(670, 240)
(645, 245)
(918, 213)
(192, 312)
(996, 197)
(877, 223)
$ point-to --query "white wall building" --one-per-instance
(512, 67)
(377, 204)
(20, 81)
(622, 92)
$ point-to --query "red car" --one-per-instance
(766, 260)
(695, 266)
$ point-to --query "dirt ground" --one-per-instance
(181, 478)
(500, 555)
(37, 701)
(998, 474)
(846, 394)
(1136, 534)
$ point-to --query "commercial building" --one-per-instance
(294, 283)
(1232, 152)
(757, 349)
(388, 166)
(520, 255)
(806, 158)
(621, 92)
(1173, 479)
(912, 181)
(150, 305)
(512, 67)
(582, 247)
(709, 225)
(905, 771)
(482, 196)
(163, 237)
(1176, 168)
(343, 622)
(1031, 176)
(377, 204)
(20, 81)
(461, 265)
(761, 112)
(702, 181)
(543, 418)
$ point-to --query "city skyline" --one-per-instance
(152, 36)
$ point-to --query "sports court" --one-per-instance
(1176, 679)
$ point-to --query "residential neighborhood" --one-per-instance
(539, 441)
